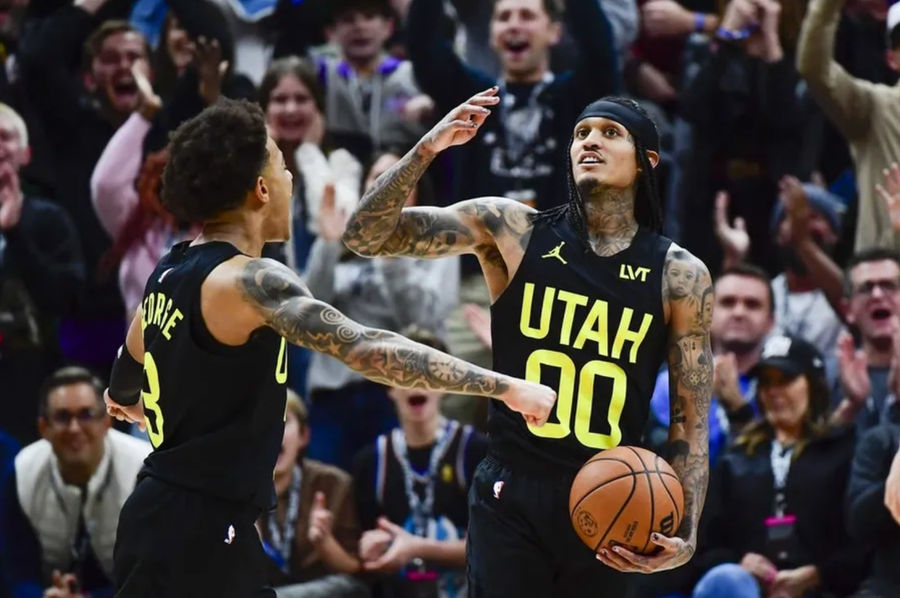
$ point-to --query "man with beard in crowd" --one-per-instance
(742, 318)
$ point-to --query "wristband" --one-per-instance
(126, 379)
(699, 22)
(735, 35)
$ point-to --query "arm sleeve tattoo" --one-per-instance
(381, 226)
(687, 288)
(287, 307)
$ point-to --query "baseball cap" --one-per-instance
(893, 18)
(822, 201)
(793, 356)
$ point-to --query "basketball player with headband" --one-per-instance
(587, 298)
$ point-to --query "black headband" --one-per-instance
(641, 127)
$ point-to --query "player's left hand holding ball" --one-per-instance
(125, 413)
(675, 552)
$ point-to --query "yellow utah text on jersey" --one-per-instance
(592, 324)
(157, 311)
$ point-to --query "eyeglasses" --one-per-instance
(886, 286)
(63, 418)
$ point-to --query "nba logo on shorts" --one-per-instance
(229, 537)
(498, 487)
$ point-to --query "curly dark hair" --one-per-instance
(214, 159)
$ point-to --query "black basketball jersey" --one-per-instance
(215, 413)
(590, 327)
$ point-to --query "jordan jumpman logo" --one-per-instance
(555, 253)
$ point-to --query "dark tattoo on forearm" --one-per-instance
(286, 305)
(379, 209)
(687, 288)
(381, 226)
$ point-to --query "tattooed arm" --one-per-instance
(688, 297)
(690, 384)
(381, 226)
(281, 301)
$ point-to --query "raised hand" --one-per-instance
(460, 124)
(332, 221)
(854, 371)
(210, 67)
(725, 381)
(796, 207)
(664, 18)
(479, 321)
(890, 194)
(148, 102)
(892, 489)
(321, 520)
(11, 198)
(735, 240)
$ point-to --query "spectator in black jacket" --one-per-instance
(80, 104)
(868, 519)
(748, 109)
(517, 154)
(774, 524)
(41, 274)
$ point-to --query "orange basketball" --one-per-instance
(621, 496)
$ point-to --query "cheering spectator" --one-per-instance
(742, 318)
(776, 499)
(62, 503)
(516, 154)
(372, 100)
(868, 518)
(411, 490)
(125, 186)
(41, 276)
(348, 412)
(806, 215)
(748, 110)
(870, 375)
(294, 103)
(80, 110)
(864, 112)
(311, 537)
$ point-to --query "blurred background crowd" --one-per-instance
(780, 126)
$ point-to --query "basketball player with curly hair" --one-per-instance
(204, 366)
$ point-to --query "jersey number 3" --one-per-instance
(584, 402)
(150, 398)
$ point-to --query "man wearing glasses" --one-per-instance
(870, 361)
(61, 504)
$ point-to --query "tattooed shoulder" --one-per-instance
(686, 284)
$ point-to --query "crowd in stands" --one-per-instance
(780, 137)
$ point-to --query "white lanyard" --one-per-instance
(781, 465)
(283, 539)
(422, 510)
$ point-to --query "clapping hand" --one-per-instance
(890, 194)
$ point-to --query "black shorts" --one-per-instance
(176, 543)
(521, 542)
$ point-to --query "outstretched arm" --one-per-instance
(381, 226)
(279, 298)
(690, 386)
